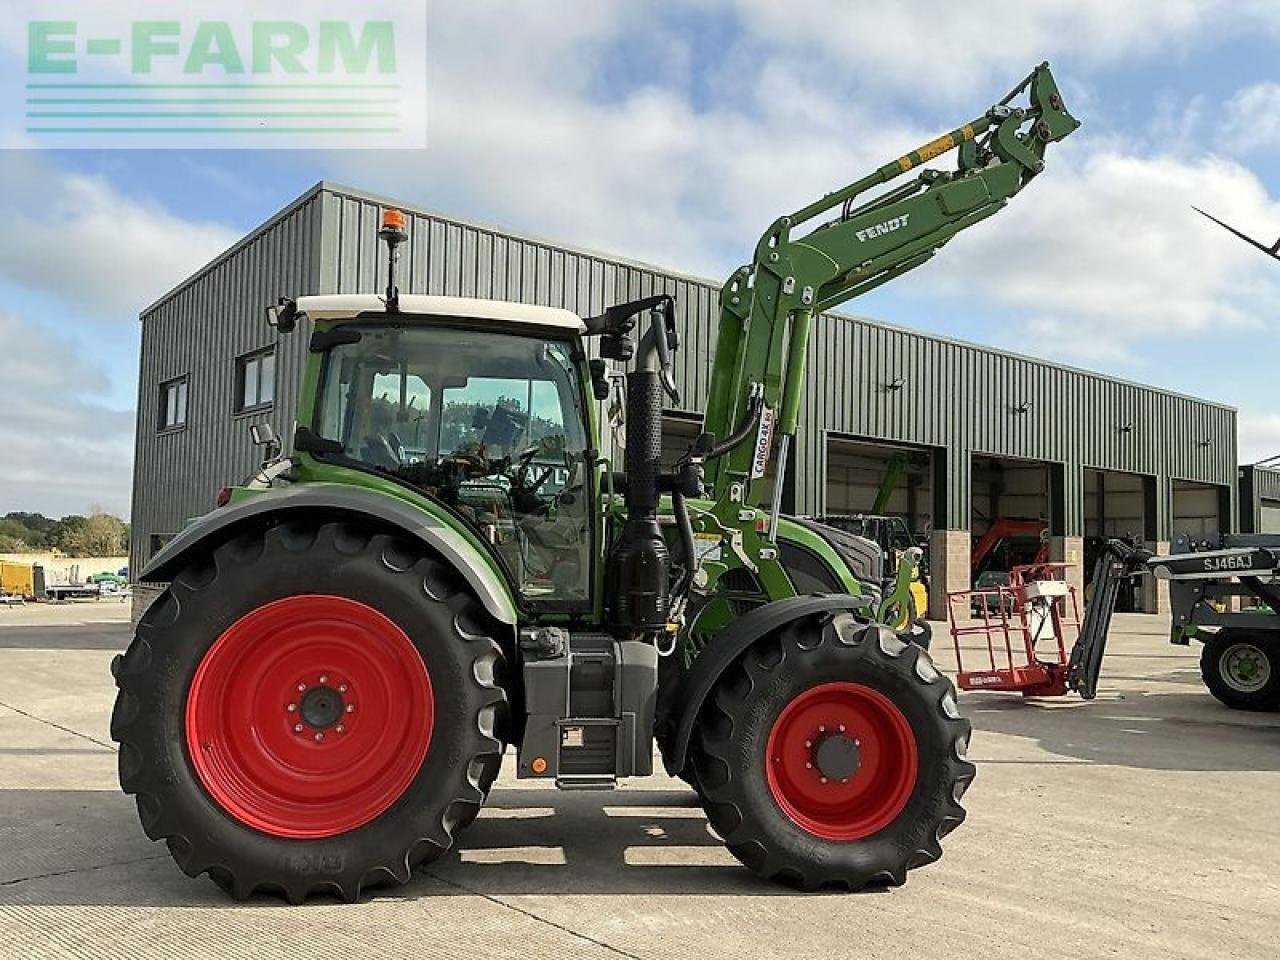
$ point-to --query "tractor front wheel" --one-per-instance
(1242, 669)
(310, 707)
(832, 753)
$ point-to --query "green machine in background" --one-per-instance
(446, 565)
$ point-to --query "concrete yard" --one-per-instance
(1143, 824)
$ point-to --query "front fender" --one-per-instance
(218, 525)
(726, 648)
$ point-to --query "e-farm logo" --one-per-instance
(95, 80)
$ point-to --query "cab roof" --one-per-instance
(339, 306)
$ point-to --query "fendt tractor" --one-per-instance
(447, 564)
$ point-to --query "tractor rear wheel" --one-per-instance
(1242, 669)
(832, 753)
(313, 707)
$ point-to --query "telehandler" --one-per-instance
(447, 565)
(1207, 574)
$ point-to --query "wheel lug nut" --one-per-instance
(323, 678)
(842, 728)
(301, 687)
(292, 707)
(808, 766)
(351, 708)
(319, 737)
(340, 728)
(297, 728)
(342, 688)
(808, 743)
(822, 729)
(822, 779)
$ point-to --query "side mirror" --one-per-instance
(263, 434)
(283, 315)
(599, 379)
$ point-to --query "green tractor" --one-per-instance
(447, 565)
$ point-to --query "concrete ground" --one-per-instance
(1143, 824)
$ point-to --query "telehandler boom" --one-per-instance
(445, 565)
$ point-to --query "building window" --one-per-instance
(256, 380)
(173, 404)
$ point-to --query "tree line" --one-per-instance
(97, 535)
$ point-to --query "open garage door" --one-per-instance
(1270, 522)
(1197, 508)
(1011, 514)
(1115, 507)
(865, 477)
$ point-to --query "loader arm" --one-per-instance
(814, 260)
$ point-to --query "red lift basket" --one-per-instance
(1028, 626)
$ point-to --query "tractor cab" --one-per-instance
(478, 405)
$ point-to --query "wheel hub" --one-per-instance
(309, 716)
(842, 761)
(837, 757)
(1245, 668)
(322, 707)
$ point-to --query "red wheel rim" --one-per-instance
(309, 716)
(841, 761)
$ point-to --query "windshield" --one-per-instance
(489, 423)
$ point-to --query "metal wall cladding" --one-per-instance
(955, 397)
(1267, 483)
(198, 330)
(1259, 497)
(963, 399)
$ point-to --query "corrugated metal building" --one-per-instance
(964, 435)
(1259, 499)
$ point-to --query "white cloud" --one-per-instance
(1103, 253)
(64, 449)
(1259, 435)
(1251, 119)
(80, 239)
(100, 256)
(947, 50)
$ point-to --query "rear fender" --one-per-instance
(219, 525)
(721, 653)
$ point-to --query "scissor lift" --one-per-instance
(1028, 626)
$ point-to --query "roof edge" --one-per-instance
(344, 190)
(283, 213)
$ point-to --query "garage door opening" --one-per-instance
(1269, 522)
(1116, 506)
(1198, 508)
(1011, 514)
(874, 478)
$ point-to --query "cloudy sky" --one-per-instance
(674, 132)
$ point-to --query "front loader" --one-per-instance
(446, 566)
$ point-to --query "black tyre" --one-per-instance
(313, 707)
(1242, 669)
(832, 753)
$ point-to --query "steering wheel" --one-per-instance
(385, 450)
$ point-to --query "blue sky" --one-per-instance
(674, 132)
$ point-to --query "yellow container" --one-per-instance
(17, 579)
